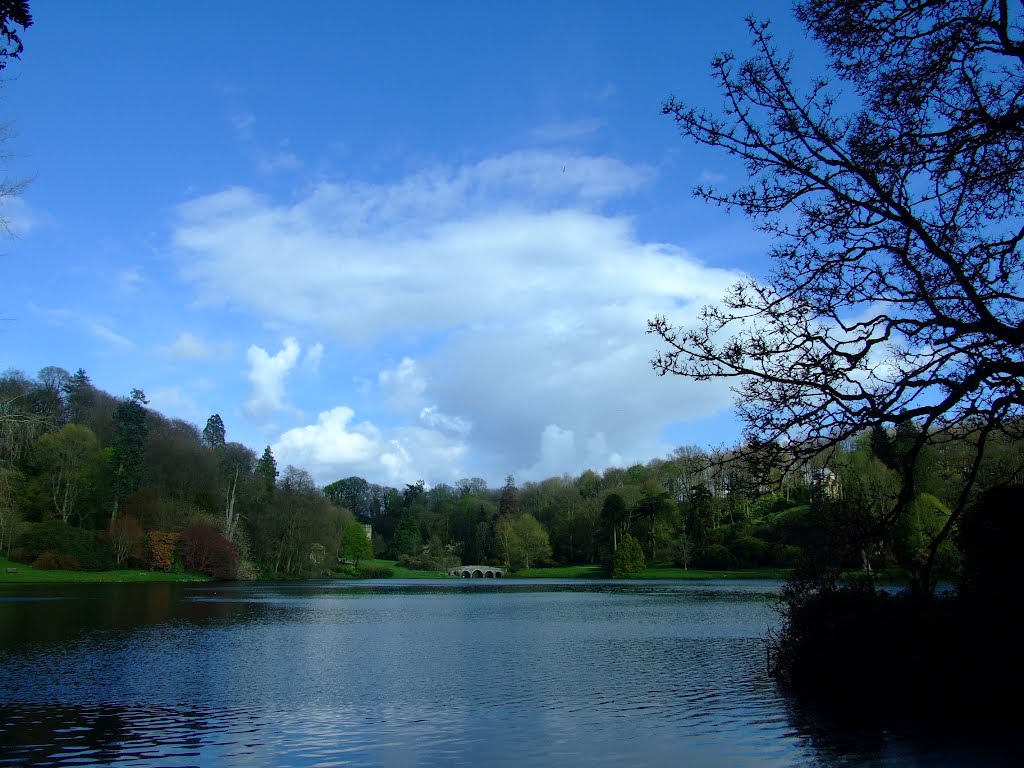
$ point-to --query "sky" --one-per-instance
(398, 240)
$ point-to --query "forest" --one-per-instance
(92, 481)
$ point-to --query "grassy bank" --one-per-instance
(26, 574)
(655, 571)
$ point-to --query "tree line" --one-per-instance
(88, 480)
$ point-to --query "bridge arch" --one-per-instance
(477, 572)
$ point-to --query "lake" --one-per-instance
(419, 673)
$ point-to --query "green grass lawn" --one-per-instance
(655, 571)
(26, 574)
(402, 573)
(561, 572)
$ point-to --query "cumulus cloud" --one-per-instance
(267, 374)
(532, 291)
(336, 447)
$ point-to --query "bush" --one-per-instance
(204, 550)
(161, 548)
(749, 551)
(628, 558)
(63, 541)
(48, 561)
(717, 558)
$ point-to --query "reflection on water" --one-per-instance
(413, 673)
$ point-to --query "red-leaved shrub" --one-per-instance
(203, 549)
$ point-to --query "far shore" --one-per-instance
(16, 572)
(19, 573)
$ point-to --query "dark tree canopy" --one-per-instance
(13, 14)
(896, 288)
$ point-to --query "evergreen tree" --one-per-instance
(130, 435)
(266, 468)
(214, 434)
(628, 558)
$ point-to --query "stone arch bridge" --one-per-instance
(477, 572)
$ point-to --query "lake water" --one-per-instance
(418, 673)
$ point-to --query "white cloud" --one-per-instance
(519, 303)
(435, 419)
(266, 375)
(313, 356)
(335, 447)
(403, 386)
(190, 347)
(102, 331)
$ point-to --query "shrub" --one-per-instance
(161, 548)
(204, 549)
(370, 571)
(126, 537)
(628, 558)
(49, 561)
(749, 551)
(717, 558)
(63, 540)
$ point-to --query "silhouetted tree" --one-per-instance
(895, 292)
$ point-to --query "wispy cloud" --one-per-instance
(313, 356)
(190, 347)
(96, 327)
(565, 131)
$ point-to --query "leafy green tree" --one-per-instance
(79, 395)
(655, 506)
(48, 396)
(353, 493)
(10, 514)
(533, 544)
(355, 546)
(129, 444)
(615, 516)
(628, 558)
(67, 462)
(408, 539)
(506, 539)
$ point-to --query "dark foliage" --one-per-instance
(61, 540)
(13, 14)
(895, 295)
(203, 549)
(850, 644)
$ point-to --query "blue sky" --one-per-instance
(397, 240)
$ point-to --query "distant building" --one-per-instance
(368, 529)
(827, 480)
